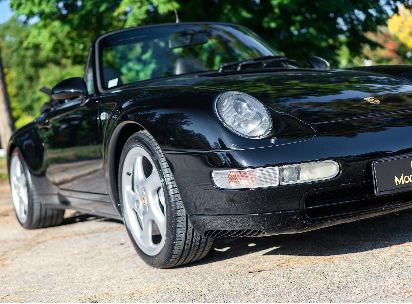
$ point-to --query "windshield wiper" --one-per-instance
(270, 59)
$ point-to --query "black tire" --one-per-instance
(182, 243)
(36, 216)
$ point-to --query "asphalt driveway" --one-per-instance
(90, 259)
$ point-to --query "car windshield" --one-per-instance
(147, 53)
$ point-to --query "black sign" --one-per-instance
(392, 175)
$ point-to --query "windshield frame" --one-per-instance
(98, 52)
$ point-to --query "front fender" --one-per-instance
(184, 120)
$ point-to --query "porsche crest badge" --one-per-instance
(372, 100)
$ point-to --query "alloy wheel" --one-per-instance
(144, 201)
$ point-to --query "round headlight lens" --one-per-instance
(243, 114)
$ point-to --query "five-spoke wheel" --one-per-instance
(153, 211)
(29, 210)
(144, 208)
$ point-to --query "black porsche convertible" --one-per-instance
(193, 131)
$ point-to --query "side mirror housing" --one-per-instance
(316, 62)
(69, 88)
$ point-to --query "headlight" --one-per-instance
(275, 176)
(243, 115)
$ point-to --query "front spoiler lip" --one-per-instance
(284, 222)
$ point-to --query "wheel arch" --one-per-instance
(119, 137)
(30, 143)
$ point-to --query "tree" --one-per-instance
(401, 26)
(72, 25)
(6, 120)
(300, 28)
(28, 68)
(389, 51)
(394, 44)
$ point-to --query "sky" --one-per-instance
(5, 11)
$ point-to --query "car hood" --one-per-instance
(311, 103)
(317, 96)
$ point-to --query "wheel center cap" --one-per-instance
(144, 201)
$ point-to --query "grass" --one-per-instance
(3, 163)
(4, 176)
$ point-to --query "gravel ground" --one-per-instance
(89, 259)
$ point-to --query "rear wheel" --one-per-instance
(152, 210)
(29, 210)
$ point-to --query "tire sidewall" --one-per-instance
(161, 259)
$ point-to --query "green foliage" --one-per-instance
(145, 12)
(299, 28)
(28, 69)
(72, 25)
(4, 176)
(65, 26)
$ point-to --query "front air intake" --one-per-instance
(214, 234)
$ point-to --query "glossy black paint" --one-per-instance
(317, 114)
(73, 147)
(69, 88)
(354, 155)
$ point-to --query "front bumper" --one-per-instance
(290, 208)
(216, 226)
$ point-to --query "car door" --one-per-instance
(73, 147)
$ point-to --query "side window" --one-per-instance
(89, 73)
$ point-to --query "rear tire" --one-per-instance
(152, 209)
(29, 211)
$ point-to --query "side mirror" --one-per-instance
(316, 62)
(69, 88)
